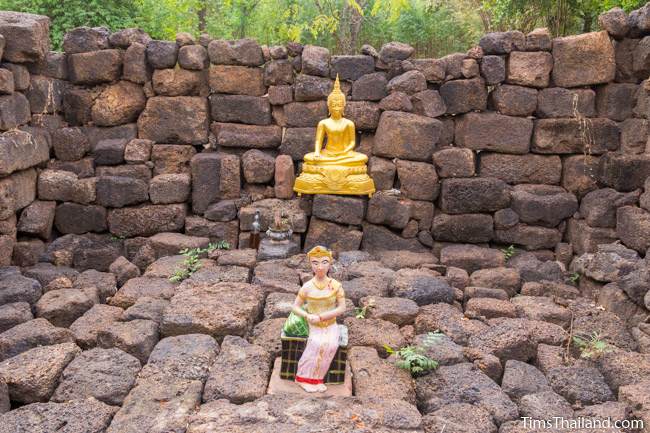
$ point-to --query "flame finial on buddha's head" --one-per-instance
(336, 95)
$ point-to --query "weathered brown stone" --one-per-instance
(229, 380)
(127, 37)
(179, 82)
(531, 237)
(634, 135)
(194, 309)
(513, 100)
(215, 231)
(215, 176)
(633, 227)
(95, 67)
(284, 177)
(32, 375)
(193, 57)
(136, 68)
(479, 131)
(370, 87)
(180, 119)
(471, 257)
(461, 96)
(493, 69)
(247, 136)
(146, 220)
(45, 94)
(79, 218)
(25, 35)
(406, 136)
(623, 172)
(468, 195)
(364, 114)
(136, 337)
(169, 188)
(170, 158)
(466, 227)
(337, 237)
(528, 168)
(240, 108)
(531, 69)
(305, 114)
(372, 376)
(69, 144)
(237, 52)
(585, 238)
(544, 205)
(14, 111)
(376, 238)
(583, 60)
(17, 191)
(559, 102)
(567, 136)
(382, 172)
(237, 80)
(162, 54)
(502, 42)
(116, 191)
(65, 186)
(77, 104)
(580, 174)
(454, 162)
(616, 101)
(278, 72)
(37, 219)
(418, 180)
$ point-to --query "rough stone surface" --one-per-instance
(105, 374)
(463, 383)
(240, 373)
(33, 375)
(216, 309)
(31, 334)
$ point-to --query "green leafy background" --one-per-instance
(433, 27)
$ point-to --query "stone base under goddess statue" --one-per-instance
(277, 385)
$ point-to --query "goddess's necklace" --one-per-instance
(324, 285)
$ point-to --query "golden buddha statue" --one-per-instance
(334, 167)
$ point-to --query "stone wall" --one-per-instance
(525, 140)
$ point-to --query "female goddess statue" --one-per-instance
(325, 301)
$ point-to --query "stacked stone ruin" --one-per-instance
(121, 150)
(523, 140)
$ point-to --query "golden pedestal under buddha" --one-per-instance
(334, 167)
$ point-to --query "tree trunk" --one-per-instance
(202, 13)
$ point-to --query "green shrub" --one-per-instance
(412, 357)
(192, 262)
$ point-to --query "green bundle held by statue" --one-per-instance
(296, 326)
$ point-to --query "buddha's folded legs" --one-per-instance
(351, 158)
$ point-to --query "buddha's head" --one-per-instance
(320, 259)
(336, 100)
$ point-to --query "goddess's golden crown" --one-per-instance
(319, 251)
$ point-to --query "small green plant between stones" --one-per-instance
(192, 261)
(593, 347)
(116, 238)
(360, 312)
(575, 277)
(508, 252)
(413, 359)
